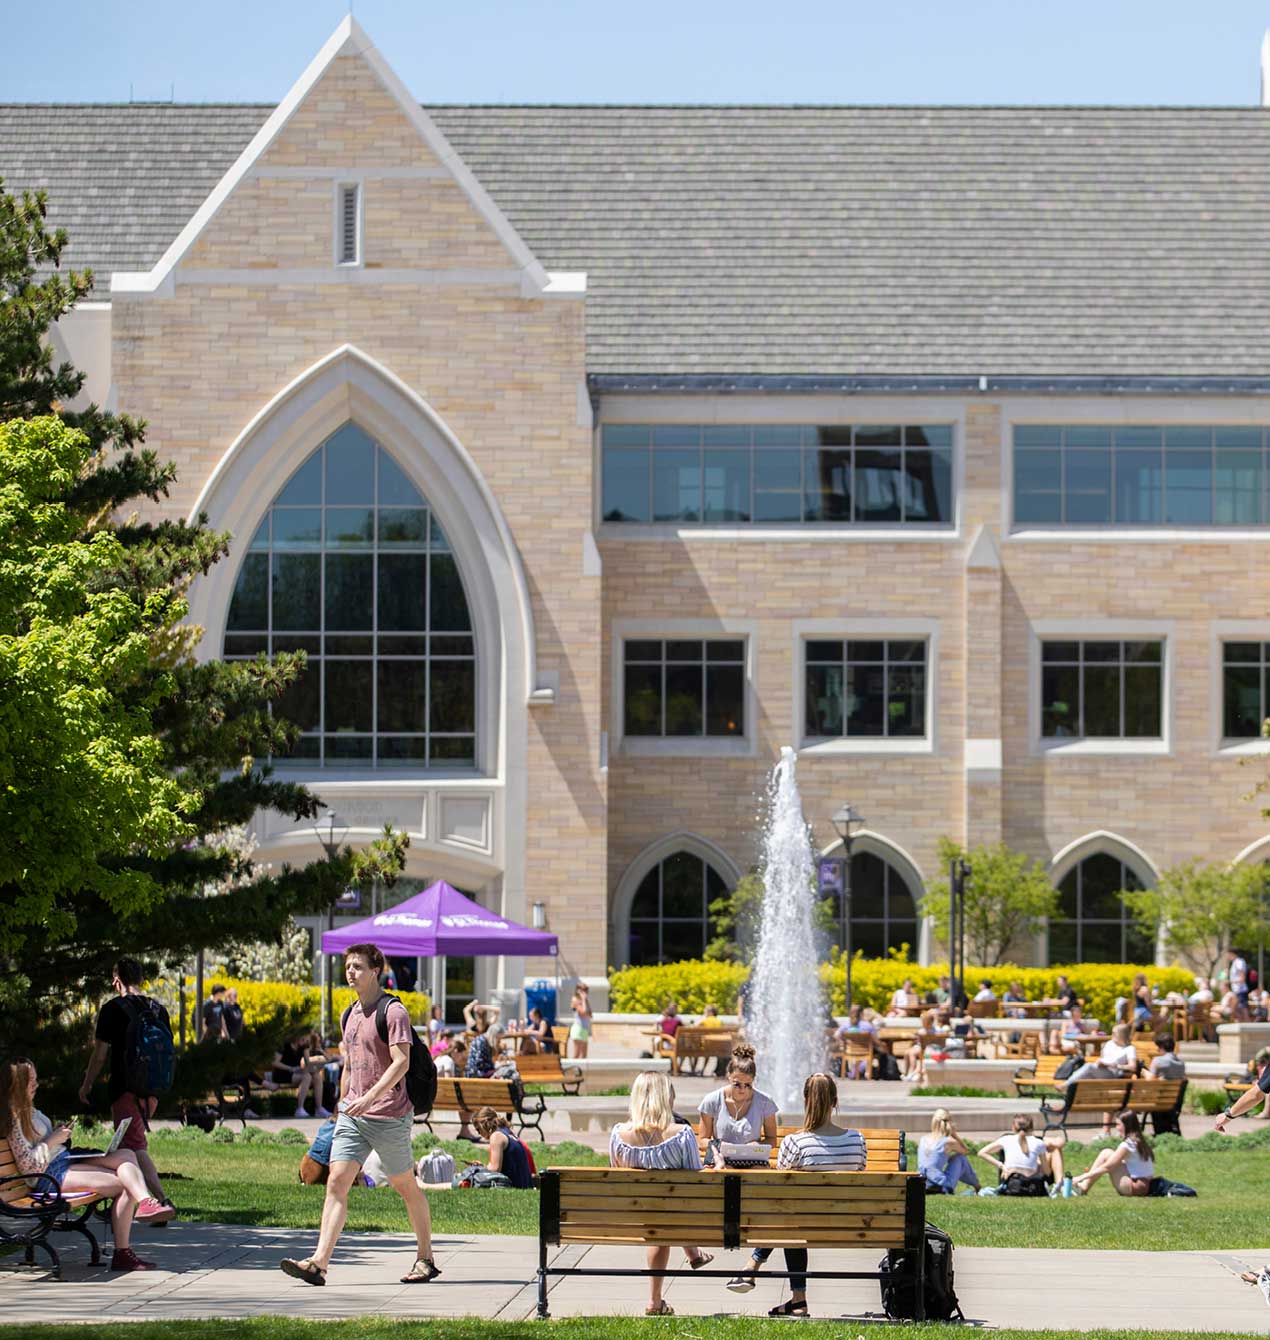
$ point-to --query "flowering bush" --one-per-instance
(261, 1002)
(695, 984)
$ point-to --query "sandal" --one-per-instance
(788, 1309)
(661, 1309)
(303, 1270)
(703, 1260)
(424, 1271)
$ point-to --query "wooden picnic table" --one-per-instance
(517, 1037)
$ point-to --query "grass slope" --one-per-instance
(254, 1182)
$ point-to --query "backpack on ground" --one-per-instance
(888, 1066)
(149, 1053)
(898, 1294)
(1020, 1184)
(1161, 1186)
(479, 1178)
(421, 1076)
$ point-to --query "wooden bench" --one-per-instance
(455, 1095)
(33, 1207)
(545, 1068)
(1161, 1100)
(696, 1044)
(629, 1207)
(883, 1148)
(1040, 1078)
(1239, 1082)
(1086, 1098)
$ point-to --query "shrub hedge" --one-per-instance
(695, 984)
(260, 1001)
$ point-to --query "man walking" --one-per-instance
(1238, 970)
(375, 1112)
(113, 1022)
(214, 1014)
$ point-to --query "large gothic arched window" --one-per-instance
(350, 566)
(883, 908)
(670, 916)
(1093, 924)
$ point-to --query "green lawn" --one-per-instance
(254, 1182)
(601, 1328)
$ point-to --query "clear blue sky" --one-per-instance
(911, 51)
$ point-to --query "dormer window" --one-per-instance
(348, 224)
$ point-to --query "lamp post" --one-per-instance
(847, 823)
(330, 832)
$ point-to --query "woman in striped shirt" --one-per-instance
(652, 1139)
(819, 1146)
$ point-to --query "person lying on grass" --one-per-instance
(1130, 1166)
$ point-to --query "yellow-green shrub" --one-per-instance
(260, 1000)
(695, 984)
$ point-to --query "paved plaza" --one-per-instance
(210, 1270)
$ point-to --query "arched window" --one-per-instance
(883, 908)
(670, 918)
(350, 566)
(1094, 925)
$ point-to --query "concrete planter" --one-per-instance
(1239, 1043)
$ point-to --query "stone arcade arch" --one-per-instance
(1090, 874)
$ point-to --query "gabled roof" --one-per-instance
(788, 240)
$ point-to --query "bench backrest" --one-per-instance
(1146, 1049)
(473, 1093)
(854, 1046)
(883, 1147)
(539, 1065)
(1155, 1095)
(1046, 1068)
(731, 1209)
(1096, 1095)
(10, 1191)
(983, 1009)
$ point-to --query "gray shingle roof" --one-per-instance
(813, 240)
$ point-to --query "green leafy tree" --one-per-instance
(1203, 910)
(1007, 897)
(123, 761)
(735, 918)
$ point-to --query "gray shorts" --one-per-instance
(389, 1137)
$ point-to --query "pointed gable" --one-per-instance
(348, 121)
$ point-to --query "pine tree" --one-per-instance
(191, 732)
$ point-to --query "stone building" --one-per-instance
(595, 453)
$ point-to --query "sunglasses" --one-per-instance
(741, 1084)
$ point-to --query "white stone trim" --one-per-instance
(900, 859)
(348, 273)
(1112, 844)
(352, 173)
(632, 877)
(676, 746)
(1077, 630)
(349, 38)
(1254, 853)
(1230, 630)
(982, 759)
(925, 629)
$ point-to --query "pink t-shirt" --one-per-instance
(366, 1058)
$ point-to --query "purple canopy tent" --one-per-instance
(440, 921)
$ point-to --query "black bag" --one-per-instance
(898, 1295)
(149, 1053)
(202, 1115)
(1020, 1184)
(1161, 1186)
(888, 1066)
(1069, 1067)
(480, 1178)
(421, 1077)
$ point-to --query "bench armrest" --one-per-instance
(48, 1202)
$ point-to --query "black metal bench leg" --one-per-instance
(81, 1227)
(543, 1314)
(47, 1246)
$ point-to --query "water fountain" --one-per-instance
(787, 1026)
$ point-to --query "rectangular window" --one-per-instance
(1245, 689)
(1102, 690)
(865, 689)
(784, 474)
(684, 687)
(1140, 476)
(348, 223)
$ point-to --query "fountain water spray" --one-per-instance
(787, 1025)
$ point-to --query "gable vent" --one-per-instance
(348, 211)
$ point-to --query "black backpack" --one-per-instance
(898, 1295)
(888, 1066)
(421, 1077)
(149, 1053)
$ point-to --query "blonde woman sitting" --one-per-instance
(653, 1140)
(943, 1159)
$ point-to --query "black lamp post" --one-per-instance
(847, 823)
(330, 832)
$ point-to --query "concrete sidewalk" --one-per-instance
(211, 1270)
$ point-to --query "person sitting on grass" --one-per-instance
(653, 1139)
(1028, 1165)
(942, 1158)
(506, 1153)
(819, 1146)
(1130, 1165)
(42, 1150)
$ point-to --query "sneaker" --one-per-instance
(321, 1112)
(300, 1112)
(970, 1191)
(126, 1259)
(250, 1115)
(1067, 1192)
(1263, 1283)
(1052, 1191)
(989, 1191)
(741, 1284)
(152, 1211)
